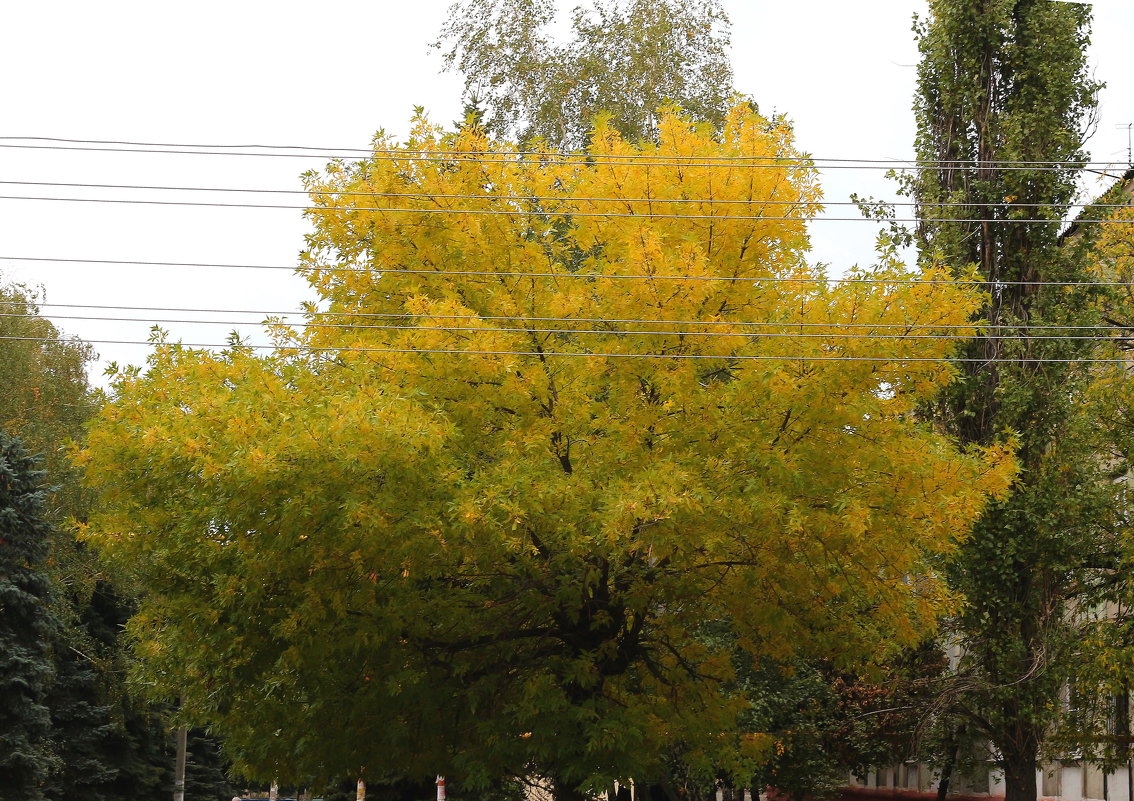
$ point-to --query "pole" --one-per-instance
(179, 765)
(440, 788)
(274, 791)
(360, 794)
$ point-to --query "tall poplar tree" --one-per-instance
(1003, 105)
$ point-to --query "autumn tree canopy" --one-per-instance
(549, 416)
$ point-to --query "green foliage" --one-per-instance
(827, 721)
(82, 730)
(141, 752)
(101, 746)
(424, 788)
(1003, 84)
(46, 402)
(206, 769)
(116, 747)
(625, 58)
(27, 628)
(46, 399)
(1102, 688)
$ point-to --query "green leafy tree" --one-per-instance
(27, 628)
(1004, 100)
(828, 721)
(625, 58)
(46, 399)
(1102, 683)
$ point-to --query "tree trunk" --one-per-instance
(1020, 772)
(952, 750)
(566, 791)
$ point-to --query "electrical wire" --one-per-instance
(573, 331)
(453, 152)
(563, 198)
(515, 213)
(175, 144)
(585, 275)
(589, 160)
(600, 355)
(593, 160)
(522, 319)
(329, 152)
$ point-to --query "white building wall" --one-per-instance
(1119, 785)
(1058, 781)
(1072, 783)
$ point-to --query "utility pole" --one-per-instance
(179, 765)
(1129, 142)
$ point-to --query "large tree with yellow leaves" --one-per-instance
(567, 410)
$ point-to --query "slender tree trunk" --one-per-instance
(952, 750)
(179, 765)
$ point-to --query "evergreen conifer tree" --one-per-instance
(206, 769)
(27, 628)
(81, 730)
(114, 746)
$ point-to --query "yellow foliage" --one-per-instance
(600, 399)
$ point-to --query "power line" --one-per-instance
(524, 319)
(588, 331)
(181, 145)
(599, 159)
(583, 275)
(598, 355)
(515, 213)
(330, 152)
(564, 198)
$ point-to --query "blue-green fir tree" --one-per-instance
(27, 628)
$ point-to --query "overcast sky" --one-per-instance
(330, 75)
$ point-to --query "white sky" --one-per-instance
(283, 72)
